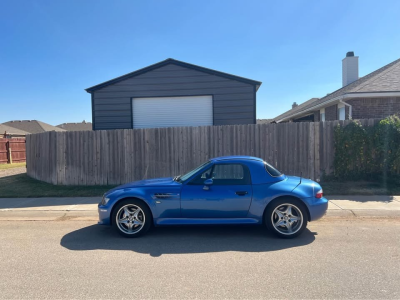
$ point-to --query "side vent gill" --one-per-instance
(164, 195)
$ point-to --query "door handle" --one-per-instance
(241, 193)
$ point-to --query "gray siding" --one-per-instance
(233, 101)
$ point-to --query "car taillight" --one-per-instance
(319, 194)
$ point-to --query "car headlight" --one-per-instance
(104, 201)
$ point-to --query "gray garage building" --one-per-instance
(173, 93)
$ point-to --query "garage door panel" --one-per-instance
(172, 111)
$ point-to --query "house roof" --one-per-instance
(32, 126)
(84, 126)
(11, 130)
(385, 79)
(264, 121)
(178, 63)
(296, 109)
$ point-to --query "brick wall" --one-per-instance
(331, 113)
(363, 108)
(367, 108)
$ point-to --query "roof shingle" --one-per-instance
(84, 126)
(11, 130)
(33, 126)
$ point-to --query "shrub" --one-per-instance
(366, 152)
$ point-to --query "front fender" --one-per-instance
(160, 207)
(118, 195)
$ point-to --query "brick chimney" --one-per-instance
(294, 105)
(349, 68)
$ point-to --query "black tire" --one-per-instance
(143, 215)
(298, 210)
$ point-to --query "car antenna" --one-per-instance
(301, 174)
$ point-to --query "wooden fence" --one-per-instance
(12, 150)
(119, 156)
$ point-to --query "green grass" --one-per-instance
(22, 186)
(365, 188)
(10, 166)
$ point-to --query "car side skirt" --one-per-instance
(214, 221)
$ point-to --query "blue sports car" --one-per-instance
(224, 190)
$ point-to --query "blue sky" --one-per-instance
(50, 51)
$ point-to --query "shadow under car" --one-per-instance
(182, 240)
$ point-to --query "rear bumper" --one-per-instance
(318, 208)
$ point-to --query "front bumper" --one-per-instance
(104, 215)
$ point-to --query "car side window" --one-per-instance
(199, 179)
(230, 174)
(225, 174)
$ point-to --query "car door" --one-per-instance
(229, 195)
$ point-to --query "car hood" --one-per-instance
(166, 181)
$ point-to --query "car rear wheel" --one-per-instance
(286, 218)
(131, 218)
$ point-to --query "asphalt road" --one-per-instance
(344, 258)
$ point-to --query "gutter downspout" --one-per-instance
(350, 109)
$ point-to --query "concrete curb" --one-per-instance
(85, 208)
(91, 215)
(25, 215)
(362, 213)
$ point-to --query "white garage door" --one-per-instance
(172, 111)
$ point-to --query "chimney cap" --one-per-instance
(350, 54)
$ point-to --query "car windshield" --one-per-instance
(271, 170)
(191, 173)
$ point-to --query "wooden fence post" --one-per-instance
(8, 149)
(10, 156)
(317, 151)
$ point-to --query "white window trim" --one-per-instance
(343, 108)
(322, 115)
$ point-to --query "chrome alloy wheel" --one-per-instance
(130, 219)
(287, 219)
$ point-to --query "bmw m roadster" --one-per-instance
(223, 190)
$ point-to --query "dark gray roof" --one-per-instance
(11, 130)
(297, 108)
(32, 126)
(385, 79)
(178, 63)
(84, 126)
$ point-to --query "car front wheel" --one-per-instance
(286, 218)
(131, 218)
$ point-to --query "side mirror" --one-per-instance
(208, 181)
(207, 184)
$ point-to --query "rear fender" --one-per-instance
(263, 194)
